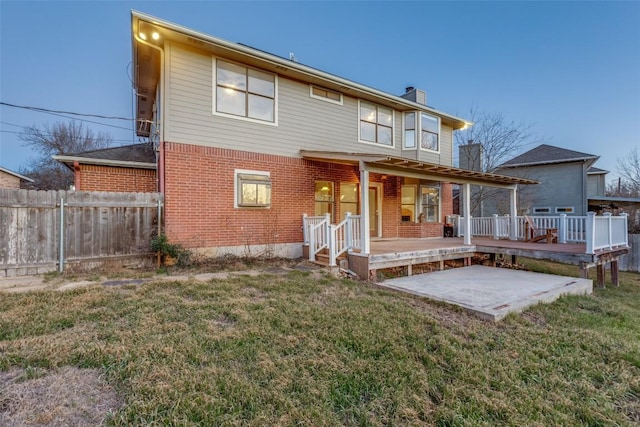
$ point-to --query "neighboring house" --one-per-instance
(10, 179)
(569, 183)
(248, 142)
(129, 168)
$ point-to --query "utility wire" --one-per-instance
(50, 134)
(46, 110)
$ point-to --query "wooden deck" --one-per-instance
(390, 253)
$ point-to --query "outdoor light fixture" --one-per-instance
(155, 35)
(143, 36)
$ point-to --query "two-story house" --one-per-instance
(248, 142)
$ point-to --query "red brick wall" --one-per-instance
(8, 180)
(199, 197)
(109, 178)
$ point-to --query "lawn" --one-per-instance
(304, 348)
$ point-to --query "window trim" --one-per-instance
(237, 193)
(420, 204)
(404, 131)
(234, 116)
(541, 210)
(419, 134)
(322, 98)
(393, 126)
(570, 211)
(415, 202)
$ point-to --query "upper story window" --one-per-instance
(325, 94)
(245, 92)
(376, 124)
(422, 129)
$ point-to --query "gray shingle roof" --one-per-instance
(142, 153)
(594, 170)
(544, 154)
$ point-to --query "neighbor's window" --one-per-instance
(325, 94)
(253, 189)
(324, 198)
(349, 200)
(408, 203)
(565, 209)
(429, 131)
(376, 124)
(245, 92)
(430, 204)
(410, 131)
(541, 210)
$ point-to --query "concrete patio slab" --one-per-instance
(489, 292)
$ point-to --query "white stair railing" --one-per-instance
(319, 234)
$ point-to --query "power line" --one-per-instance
(50, 134)
(46, 110)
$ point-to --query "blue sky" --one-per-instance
(571, 69)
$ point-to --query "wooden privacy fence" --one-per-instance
(44, 230)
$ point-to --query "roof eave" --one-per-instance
(104, 162)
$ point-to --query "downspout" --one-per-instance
(76, 175)
(160, 168)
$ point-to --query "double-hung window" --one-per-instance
(430, 204)
(421, 129)
(376, 124)
(245, 92)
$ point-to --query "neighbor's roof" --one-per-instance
(547, 154)
(282, 66)
(17, 175)
(596, 171)
(400, 166)
(140, 156)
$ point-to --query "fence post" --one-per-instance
(61, 238)
(312, 243)
(305, 237)
(562, 229)
(332, 244)
(327, 235)
(495, 227)
(348, 238)
(590, 232)
(609, 230)
(626, 228)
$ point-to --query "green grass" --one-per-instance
(306, 350)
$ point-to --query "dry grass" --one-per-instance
(308, 349)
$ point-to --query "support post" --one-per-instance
(614, 273)
(562, 229)
(466, 190)
(364, 203)
(600, 270)
(590, 232)
(496, 231)
(513, 212)
(609, 230)
(61, 238)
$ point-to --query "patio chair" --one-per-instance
(534, 234)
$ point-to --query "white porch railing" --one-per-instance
(319, 234)
(597, 232)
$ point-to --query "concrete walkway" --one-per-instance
(489, 292)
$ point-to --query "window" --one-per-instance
(410, 131)
(376, 124)
(421, 128)
(408, 203)
(325, 94)
(349, 200)
(245, 92)
(541, 210)
(430, 204)
(253, 189)
(565, 209)
(324, 198)
(430, 129)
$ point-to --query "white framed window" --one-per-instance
(409, 124)
(421, 130)
(324, 198)
(252, 189)
(408, 203)
(565, 209)
(429, 132)
(325, 94)
(429, 204)
(376, 124)
(541, 210)
(243, 92)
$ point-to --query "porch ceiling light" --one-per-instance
(155, 35)
(142, 35)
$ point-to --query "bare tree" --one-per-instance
(500, 139)
(61, 138)
(629, 170)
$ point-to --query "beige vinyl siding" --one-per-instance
(303, 122)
